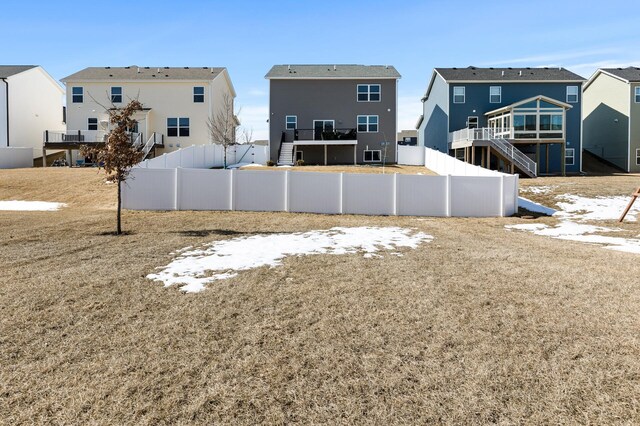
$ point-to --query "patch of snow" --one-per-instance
(223, 259)
(284, 166)
(599, 208)
(535, 207)
(42, 206)
(537, 189)
(576, 210)
(252, 165)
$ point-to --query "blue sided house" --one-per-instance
(518, 120)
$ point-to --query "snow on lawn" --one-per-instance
(15, 205)
(194, 268)
(575, 210)
(537, 189)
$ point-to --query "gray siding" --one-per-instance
(434, 130)
(634, 130)
(336, 100)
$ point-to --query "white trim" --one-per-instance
(477, 121)
(286, 123)
(364, 160)
(636, 94)
(178, 127)
(301, 152)
(601, 71)
(499, 94)
(368, 124)
(72, 95)
(512, 81)
(572, 156)
(637, 156)
(369, 92)
(464, 94)
(111, 95)
(333, 78)
(577, 94)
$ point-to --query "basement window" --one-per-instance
(569, 156)
(638, 157)
(372, 156)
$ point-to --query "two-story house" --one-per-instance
(177, 104)
(333, 114)
(611, 108)
(30, 103)
(511, 119)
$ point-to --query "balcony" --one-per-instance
(75, 137)
(321, 137)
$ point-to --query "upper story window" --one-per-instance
(495, 94)
(572, 94)
(368, 93)
(116, 95)
(367, 123)
(291, 122)
(458, 94)
(178, 127)
(92, 123)
(198, 94)
(77, 95)
(637, 93)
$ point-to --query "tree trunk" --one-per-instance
(224, 147)
(119, 229)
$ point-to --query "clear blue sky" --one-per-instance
(248, 37)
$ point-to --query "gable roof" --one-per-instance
(528, 74)
(525, 101)
(332, 71)
(135, 72)
(7, 71)
(630, 74)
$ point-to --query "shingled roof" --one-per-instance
(507, 74)
(135, 72)
(332, 71)
(631, 74)
(7, 71)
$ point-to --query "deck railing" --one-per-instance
(320, 135)
(75, 136)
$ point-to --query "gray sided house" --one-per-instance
(525, 120)
(612, 116)
(332, 114)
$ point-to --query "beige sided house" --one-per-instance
(30, 103)
(177, 103)
(611, 111)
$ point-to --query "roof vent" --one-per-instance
(520, 73)
(158, 71)
(107, 68)
(334, 68)
(289, 67)
(126, 68)
(454, 68)
(138, 70)
(153, 75)
(530, 68)
(166, 75)
(110, 75)
(503, 73)
(186, 68)
(510, 68)
(490, 68)
(166, 68)
(146, 68)
(211, 70)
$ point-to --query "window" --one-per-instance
(367, 123)
(637, 156)
(572, 94)
(92, 123)
(198, 94)
(569, 156)
(368, 93)
(495, 94)
(472, 122)
(637, 93)
(291, 122)
(458, 95)
(116, 95)
(77, 95)
(178, 127)
(372, 156)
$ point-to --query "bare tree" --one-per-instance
(118, 155)
(223, 126)
(246, 136)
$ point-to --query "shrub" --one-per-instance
(270, 163)
(299, 162)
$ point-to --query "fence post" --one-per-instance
(232, 183)
(448, 196)
(176, 194)
(286, 191)
(395, 194)
(502, 204)
(515, 193)
(341, 192)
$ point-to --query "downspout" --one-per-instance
(6, 83)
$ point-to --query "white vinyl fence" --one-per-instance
(411, 155)
(16, 158)
(208, 156)
(310, 192)
(444, 164)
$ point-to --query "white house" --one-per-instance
(30, 103)
(177, 103)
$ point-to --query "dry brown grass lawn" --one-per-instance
(481, 325)
(394, 168)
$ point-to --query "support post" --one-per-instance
(44, 156)
(489, 157)
(563, 157)
(286, 191)
(546, 149)
(448, 196)
(355, 155)
(325, 155)
(232, 186)
(473, 155)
